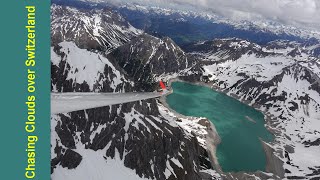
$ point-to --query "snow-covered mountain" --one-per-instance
(282, 80)
(261, 25)
(234, 48)
(96, 49)
(102, 29)
(139, 140)
(185, 26)
(75, 69)
(188, 23)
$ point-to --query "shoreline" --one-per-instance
(212, 139)
(273, 163)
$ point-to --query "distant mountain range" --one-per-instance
(188, 26)
(100, 47)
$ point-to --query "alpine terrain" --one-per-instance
(119, 48)
(140, 140)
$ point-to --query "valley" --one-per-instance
(96, 49)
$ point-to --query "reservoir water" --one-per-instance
(239, 125)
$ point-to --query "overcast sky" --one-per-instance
(293, 12)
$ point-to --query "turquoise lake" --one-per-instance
(240, 148)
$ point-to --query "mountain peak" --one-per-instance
(102, 29)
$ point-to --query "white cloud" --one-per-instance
(304, 13)
(297, 12)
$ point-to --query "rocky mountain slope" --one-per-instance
(147, 58)
(136, 140)
(102, 29)
(280, 79)
(97, 50)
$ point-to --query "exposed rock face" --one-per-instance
(90, 29)
(135, 134)
(146, 57)
(70, 159)
(145, 141)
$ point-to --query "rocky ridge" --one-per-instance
(138, 138)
